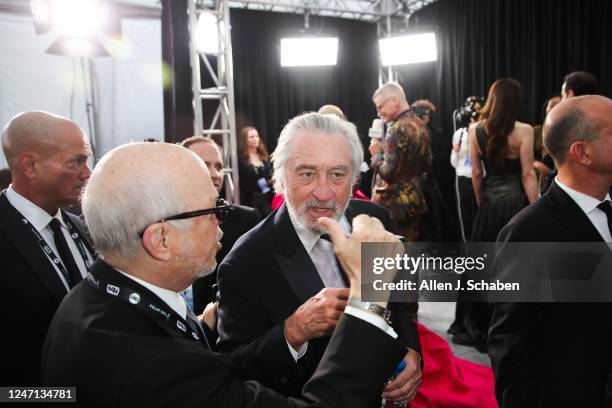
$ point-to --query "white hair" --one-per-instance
(316, 123)
(390, 90)
(116, 213)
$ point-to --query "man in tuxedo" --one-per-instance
(44, 250)
(125, 337)
(558, 354)
(577, 83)
(281, 290)
(239, 220)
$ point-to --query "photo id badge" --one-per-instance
(263, 185)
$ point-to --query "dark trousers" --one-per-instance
(466, 205)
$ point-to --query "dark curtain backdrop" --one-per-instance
(268, 95)
(536, 42)
(479, 41)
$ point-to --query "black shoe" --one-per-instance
(455, 329)
(482, 347)
(464, 339)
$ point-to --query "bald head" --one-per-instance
(138, 184)
(578, 119)
(47, 155)
(35, 131)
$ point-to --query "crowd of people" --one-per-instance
(164, 293)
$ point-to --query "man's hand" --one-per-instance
(404, 387)
(317, 317)
(348, 250)
(209, 316)
(375, 146)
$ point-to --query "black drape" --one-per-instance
(267, 95)
(536, 42)
(479, 41)
(178, 107)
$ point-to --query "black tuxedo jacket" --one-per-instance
(263, 280)
(238, 222)
(118, 356)
(31, 292)
(550, 354)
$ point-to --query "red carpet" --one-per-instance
(451, 382)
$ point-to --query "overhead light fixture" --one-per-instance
(207, 33)
(82, 28)
(408, 49)
(77, 47)
(309, 51)
(41, 12)
(309, 47)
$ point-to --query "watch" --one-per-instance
(371, 307)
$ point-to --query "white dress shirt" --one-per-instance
(40, 220)
(171, 298)
(589, 205)
(461, 160)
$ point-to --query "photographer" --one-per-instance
(461, 161)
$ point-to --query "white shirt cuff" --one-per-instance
(371, 318)
(297, 354)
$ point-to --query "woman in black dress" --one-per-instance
(504, 182)
(502, 161)
(255, 172)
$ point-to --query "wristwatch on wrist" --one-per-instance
(371, 307)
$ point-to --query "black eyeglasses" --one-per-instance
(220, 210)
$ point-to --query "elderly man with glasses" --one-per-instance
(124, 336)
(401, 160)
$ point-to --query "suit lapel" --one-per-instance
(571, 216)
(293, 260)
(27, 245)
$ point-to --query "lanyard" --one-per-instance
(154, 309)
(51, 255)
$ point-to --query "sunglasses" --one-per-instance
(220, 211)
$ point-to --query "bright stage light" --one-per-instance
(207, 34)
(408, 49)
(77, 47)
(309, 51)
(42, 15)
(78, 18)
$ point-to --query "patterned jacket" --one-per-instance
(406, 157)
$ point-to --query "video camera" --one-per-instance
(462, 116)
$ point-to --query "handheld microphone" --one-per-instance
(376, 130)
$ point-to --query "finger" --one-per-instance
(340, 305)
(402, 393)
(333, 229)
(361, 222)
(339, 293)
(405, 376)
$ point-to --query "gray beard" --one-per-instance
(300, 216)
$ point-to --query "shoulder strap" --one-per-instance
(481, 136)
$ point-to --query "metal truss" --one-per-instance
(220, 97)
(364, 10)
(390, 16)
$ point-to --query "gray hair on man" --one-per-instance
(316, 123)
(390, 90)
(118, 206)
